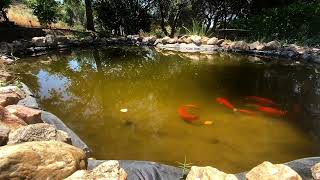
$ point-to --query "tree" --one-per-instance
(4, 4)
(47, 11)
(89, 15)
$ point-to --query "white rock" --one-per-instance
(208, 173)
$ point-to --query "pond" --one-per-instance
(123, 102)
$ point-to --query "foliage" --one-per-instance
(47, 11)
(73, 13)
(122, 16)
(198, 29)
(297, 22)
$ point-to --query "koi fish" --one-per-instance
(248, 112)
(260, 100)
(226, 103)
(185, 115)
(272, 111)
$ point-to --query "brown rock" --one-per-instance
(29, 115)
(108, 170)
(40, 160)
(208, 173)
(9, 99)
(315, 170)
(204, 40)
(38, 132)
(12, 89)
(196, 39)
(9, 120)
(213, 41)
(272, 45)
(4, 133)
(269, 171)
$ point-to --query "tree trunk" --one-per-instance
(89, 15)
(162, 24)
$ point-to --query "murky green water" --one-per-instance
(87, 89)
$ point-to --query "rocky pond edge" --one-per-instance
(58, 153)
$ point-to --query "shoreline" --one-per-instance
(41, 45)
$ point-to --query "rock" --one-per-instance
(12, 89)
(158, 41)
(4, 134)
(61, 40)
(30, 102)
(40, 160)
(273, 45)
(29, 115)
(38, 132)
(315, 170)
(242, 45)
(50, 40)
(6, 60)
(149, 40)
(172, 40)
(269, 171)
(256, 46)
(9, 99)
(208, 173)
(108, 170)
(39, 41)
(4, 48)
(9, 120)
(165, 40)
(196, 39)
(18, 46)
(184, 39)
(288, 54)
(204, 40)
(213, 41)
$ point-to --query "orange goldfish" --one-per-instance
(272, 111)
(261, 100)
(185, 115)
(226, 103)
(248, 112)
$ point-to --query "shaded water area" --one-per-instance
(88, 88)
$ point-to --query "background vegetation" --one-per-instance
(289, 20)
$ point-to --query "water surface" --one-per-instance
(88, 88)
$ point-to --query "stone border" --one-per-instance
(143, 169)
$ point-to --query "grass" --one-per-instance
(22, 16)
(184, 166)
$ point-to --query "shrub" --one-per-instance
(47, 11)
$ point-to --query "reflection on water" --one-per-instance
(87, 89)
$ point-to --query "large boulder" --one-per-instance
(4, 134)
(50, 40)
(38, 132)
(208, 173)
(315, 170)
(9, 120)
(241, 45)
(204, 40)
(29, 115)
(165, 40)
(12, 89)
(40, 160)
(196, 39)
(110, 170)
(149, 40)
(269, 171)
(9, 99)
(185, 39)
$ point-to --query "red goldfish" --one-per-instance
(185, 115)
(272, 111)
(248, 112)
(261, 100)
(226, 103)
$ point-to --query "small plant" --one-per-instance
(184, 166)
(198, 29)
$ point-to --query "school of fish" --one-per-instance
(262, 105)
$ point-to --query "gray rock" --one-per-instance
(38, 132)
(241, 45)
(50, 40)
(4, 134)
(4, 48)
(39, 41)
(196, 39)
(288, 54)
(40, 160)
(30, 102)
(272, 45)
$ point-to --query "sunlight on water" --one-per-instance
(123, 102)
